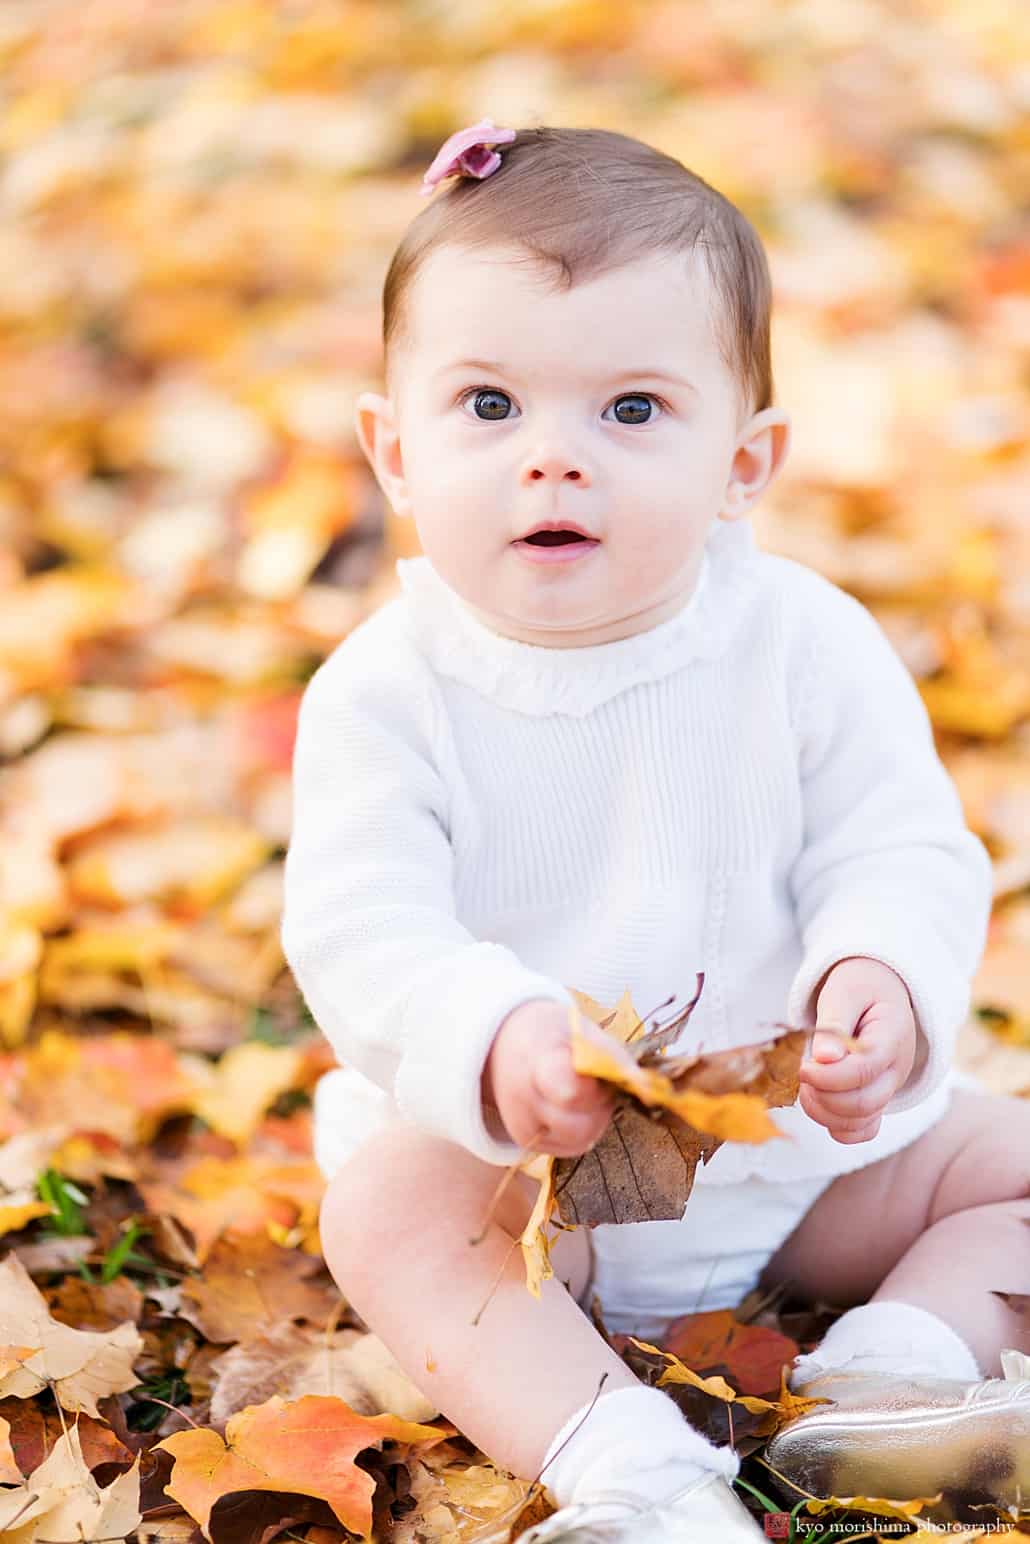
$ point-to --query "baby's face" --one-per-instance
(607, 407)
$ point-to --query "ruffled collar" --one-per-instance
(531, 678)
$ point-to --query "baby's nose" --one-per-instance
(555, 468)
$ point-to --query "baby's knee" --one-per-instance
(993, 1163)
(992, 1229)
(375, 1187)
(404, 1190)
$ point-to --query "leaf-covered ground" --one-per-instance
(198, 199)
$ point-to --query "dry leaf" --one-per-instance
(190, 865)
(781, 1410)
(878, 1504)
(124, 1085)
(681, 1110)
(291, 1361)
(233, 1096)
(34, 1430)
(642, 1169)
(80, 1367)
(61, 1500)
(754, 1355)
(249, 1195)
(245, 1281)
(10, 1473)
(19, 1207)
(306, 1447)
(535, 1245)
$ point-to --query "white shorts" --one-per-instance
(647, 1273)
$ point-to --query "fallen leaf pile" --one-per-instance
(199, 199)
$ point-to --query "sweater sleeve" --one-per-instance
(887, 868)
(401, 990)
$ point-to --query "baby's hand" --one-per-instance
(529, 1078)
(850, 1080)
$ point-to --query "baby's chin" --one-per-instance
(568, 630)
(565, 606)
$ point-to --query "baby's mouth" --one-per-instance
(554, 538)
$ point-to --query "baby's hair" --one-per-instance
(584, 202)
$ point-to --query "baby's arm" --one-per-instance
(888, 869)
(402, 991)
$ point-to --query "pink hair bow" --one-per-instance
(465, 153)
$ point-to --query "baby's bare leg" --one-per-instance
(943, 1224)
(395, 1225)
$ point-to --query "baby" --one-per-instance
(602, 740)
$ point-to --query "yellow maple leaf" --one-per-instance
(536, 1248)
(21, 949)
(622, 1022)
(677, 1372)
(734, 1117)
(881, 1504)
(233, 1096)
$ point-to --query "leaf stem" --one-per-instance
(152, 1399)
(497, 1281)
(506, 1179)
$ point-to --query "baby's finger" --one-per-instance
(554, 1076)
(861, 1066)
(863, 1133)
(567, 1134)
(858, 1103)
(841, 1128)
(557, 1080)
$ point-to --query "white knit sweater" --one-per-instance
(749, 789)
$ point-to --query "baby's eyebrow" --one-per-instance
(470, 364)
(646, 373)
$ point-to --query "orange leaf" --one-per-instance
(305, 1448)
(122, 1084)
(753, 1354)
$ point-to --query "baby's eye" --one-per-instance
(634, 408)
(489, 404)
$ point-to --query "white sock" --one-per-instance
(634, 1439)
(888, 1336)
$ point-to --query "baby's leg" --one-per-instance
(395, 1225)
(942, 1225)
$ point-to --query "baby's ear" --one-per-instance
(762, 448)
(375, 424)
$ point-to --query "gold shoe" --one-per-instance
(897, 1437)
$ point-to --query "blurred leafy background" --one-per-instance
(198, 201)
